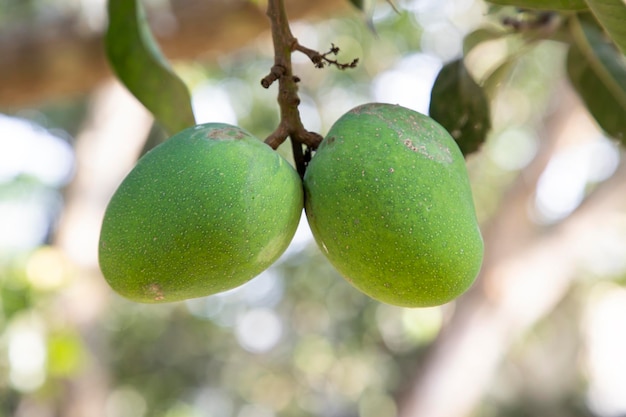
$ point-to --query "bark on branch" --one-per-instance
(290, 123)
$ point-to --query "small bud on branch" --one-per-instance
(276, 72)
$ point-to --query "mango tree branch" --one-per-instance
(288, 100)
(282, 71)
(321, 60)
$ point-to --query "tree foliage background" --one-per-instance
(542, 332)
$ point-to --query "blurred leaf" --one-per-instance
(460, 105)
(14, 299)
(612, 16)
(598, 72)
(367, 6)
(359, 4)
(562, 5)
(481, 35)
(140, 65)
(66, 353)
(492, 83)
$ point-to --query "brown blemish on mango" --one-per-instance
(226, 133)
(156, 292)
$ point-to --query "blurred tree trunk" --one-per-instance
(107, 147)
(48, 61)
(526, 272)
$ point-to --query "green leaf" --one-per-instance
(612, 16)
(138, 62)
(561, 5)
(598, 72)
(481, 35)
(359, 4)
(460, 105)
(493, 82)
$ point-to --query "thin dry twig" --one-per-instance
(322, 60)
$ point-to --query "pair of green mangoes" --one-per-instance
(386, 195)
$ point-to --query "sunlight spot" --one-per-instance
(211, 104)
(47, 268)
(23, 224)
(266, 290)
(28, 149)
(94, 12)
(27, 359)
(258, 330)
(562, 186)
(443, 40)
(513, 149)
(408, 83)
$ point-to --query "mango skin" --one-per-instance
(388, 199)
(204, 212)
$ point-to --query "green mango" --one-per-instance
(388, 200)
(204, 212)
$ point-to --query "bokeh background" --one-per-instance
(541, 333)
